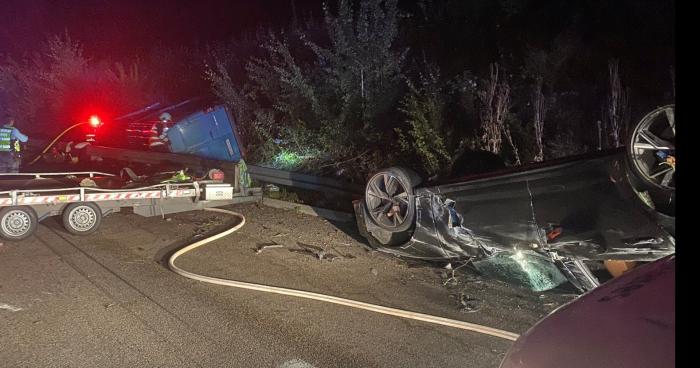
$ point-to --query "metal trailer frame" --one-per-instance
(35, 205)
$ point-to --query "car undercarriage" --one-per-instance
(607, 207)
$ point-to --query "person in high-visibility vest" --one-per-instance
(10, 149)
(159, 138)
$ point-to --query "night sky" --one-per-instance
(127, 28)
(467, 35)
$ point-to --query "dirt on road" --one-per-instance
(108, 298)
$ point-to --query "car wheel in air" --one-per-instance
(652, 149)
(390, 203)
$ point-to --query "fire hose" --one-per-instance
(48, 146)
(317, 296)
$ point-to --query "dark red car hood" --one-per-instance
(626, 323)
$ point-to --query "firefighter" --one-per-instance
(10, 148)
(159, 139)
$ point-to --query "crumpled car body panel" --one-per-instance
(583, 209)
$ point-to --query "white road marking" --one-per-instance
(296, 363)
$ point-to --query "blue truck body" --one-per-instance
(207, 134)
(197, 128)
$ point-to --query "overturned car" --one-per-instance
(555, 221)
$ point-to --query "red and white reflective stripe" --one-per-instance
(93, 197)
(96, 197)
(42, 199)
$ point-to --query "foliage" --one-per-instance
(331, 95)
(342, 93)
(59, 85)
(424, 107)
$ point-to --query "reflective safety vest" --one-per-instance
(6, 139)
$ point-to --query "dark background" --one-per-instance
(175, 42)
(127, 28)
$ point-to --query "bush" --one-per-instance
(59, 86)
(424, 107)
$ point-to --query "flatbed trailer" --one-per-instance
(83, 207)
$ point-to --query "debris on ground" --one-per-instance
(374, 271)
(315, 251)
(414, 263)
(11, 308)
(453, 279)
(310, 247)
(329, 256)
(262, 246)
(207, 225)
(347, 255)
(469, 304)
(304, 251)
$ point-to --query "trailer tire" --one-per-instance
(17, 222)
(82, 218)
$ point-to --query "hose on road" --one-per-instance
(317, 296)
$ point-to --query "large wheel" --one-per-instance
(391, 204)
(17, 223)
(652, 150)
(82, 218)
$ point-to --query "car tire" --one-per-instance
(645, 146)
(644, 160)
(390, 204)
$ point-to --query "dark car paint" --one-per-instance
(628, 322)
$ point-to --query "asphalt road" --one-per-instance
(107, 299)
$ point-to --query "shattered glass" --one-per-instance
(523, 268)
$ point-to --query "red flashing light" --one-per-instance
(95, 121)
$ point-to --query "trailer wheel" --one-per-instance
(17, 223)
(82, 218)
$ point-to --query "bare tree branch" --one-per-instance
(495, 105)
